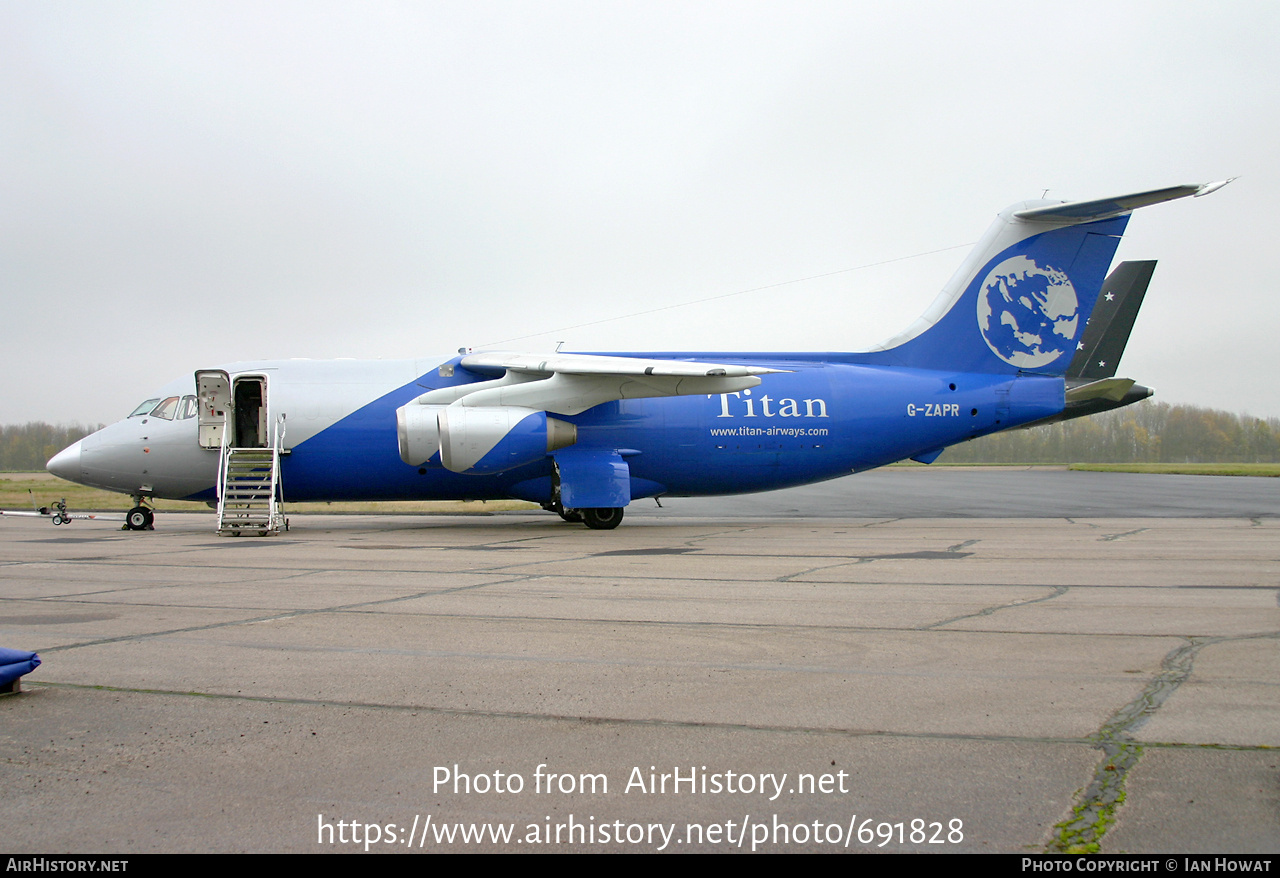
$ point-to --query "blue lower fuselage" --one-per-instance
(819, 421)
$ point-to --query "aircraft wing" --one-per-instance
(568, 384)
(594, 364)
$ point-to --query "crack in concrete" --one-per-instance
(287, 614)
(1111, 537)
(853, 561)
(1095, 810)
(846, 562)
(730, 531)
(657, 550)
(1058, 591)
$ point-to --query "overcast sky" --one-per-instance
(185, 184)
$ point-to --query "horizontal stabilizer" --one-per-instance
(1094, 398)
(1113, 389)
(1102, 208)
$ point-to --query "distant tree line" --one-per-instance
(1148, 432)
(28, 447)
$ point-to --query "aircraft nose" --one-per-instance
(66, 463)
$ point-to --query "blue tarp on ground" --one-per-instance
(14, 663)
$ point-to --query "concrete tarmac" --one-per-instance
(932, 680)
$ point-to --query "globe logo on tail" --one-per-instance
(1028, 313)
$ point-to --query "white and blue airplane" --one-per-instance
(1027, 331)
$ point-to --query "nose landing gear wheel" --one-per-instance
(602, 519)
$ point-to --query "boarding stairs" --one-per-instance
(250, 499)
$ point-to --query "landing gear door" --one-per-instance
(213, 388)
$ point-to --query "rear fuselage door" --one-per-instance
(213, 388)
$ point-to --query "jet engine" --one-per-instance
(418, 432)
(479, 439)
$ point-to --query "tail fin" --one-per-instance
(1021, 300)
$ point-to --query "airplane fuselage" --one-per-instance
(817, 420)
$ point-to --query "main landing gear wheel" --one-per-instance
(602, 519)
(573, 516)
(139, 518)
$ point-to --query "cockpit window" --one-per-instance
(145, 408)
(187, 409)
(166, 409)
